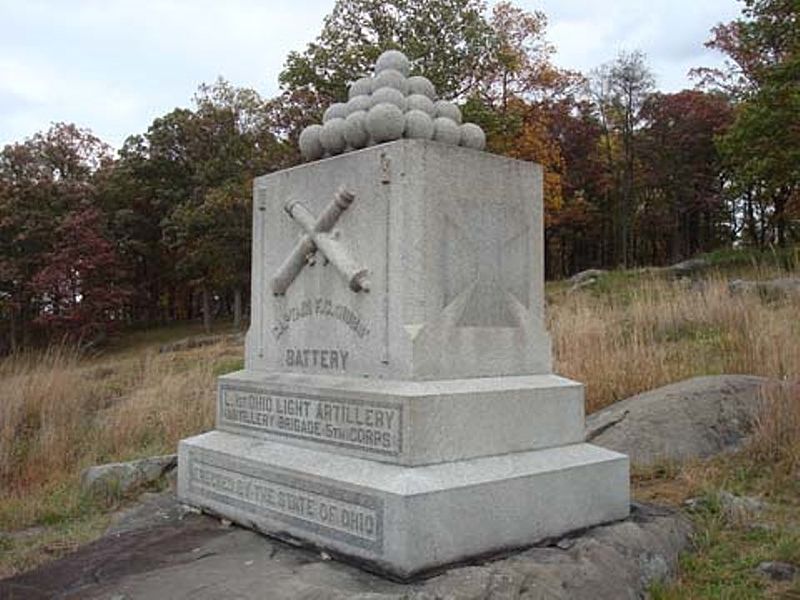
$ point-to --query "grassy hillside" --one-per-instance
(627, 332)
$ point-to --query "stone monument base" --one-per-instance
(403, 520)
(410, 423)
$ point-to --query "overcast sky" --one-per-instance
(115, 65)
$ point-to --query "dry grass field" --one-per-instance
(61, 412)
(639, 333)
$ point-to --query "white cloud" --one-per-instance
(672, 33)
(115, 66)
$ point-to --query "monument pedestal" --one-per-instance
(397, 404)
(403, 520)
(404, 476)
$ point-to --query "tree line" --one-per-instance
(92, 240)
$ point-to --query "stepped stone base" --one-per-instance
(403, 520)
(410, 423)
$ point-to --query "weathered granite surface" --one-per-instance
(122, 478)
(451, 241)
(694, 418)
(194, 557)
(397, 405)
(401, 520)
(409, 423)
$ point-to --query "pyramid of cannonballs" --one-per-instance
(386, 107)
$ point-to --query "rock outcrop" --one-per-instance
(695, 418)
(193, 556)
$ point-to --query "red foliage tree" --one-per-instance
(81, 282)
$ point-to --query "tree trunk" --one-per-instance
(237, 308)
(13, 334)
(206, 309)
(780, 217)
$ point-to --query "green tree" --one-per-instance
(153, 174)
(449, 41)
(619, 90)
(229, 141)
(762, 147)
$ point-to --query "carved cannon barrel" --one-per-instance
(333, 250)
(317, 237)
(291, 267)
(341, 201)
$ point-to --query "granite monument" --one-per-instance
(397, 405)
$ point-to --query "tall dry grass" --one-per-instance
(60, 412)
(776, 432)
(657, 331)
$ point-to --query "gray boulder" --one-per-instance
(122, 478)
(688, 268)
(778, 571)
(199, 341)
(787, 286)
(587, 275)
(695, 418)
(585, 279)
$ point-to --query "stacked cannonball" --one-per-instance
(388, 106)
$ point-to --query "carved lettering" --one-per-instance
(374, 427)
(317, 358)
(320, 308)
(287, 500)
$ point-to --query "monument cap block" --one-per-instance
(410, 260)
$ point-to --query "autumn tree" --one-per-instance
(682, 205)
(43, 181)
(81, 286)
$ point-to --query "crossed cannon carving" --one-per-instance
(318, 237)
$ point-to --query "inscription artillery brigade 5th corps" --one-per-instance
(369, 426)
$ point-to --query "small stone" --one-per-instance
(448, 110)
(740, 507)
(565, 543)
(358, 103)
(394, 60)
(337, 110)
(123, 478)
(332, 136)
(390, 78)
(310, 146)
(355, 132)
(472, 136)
(777, 571)
(225, 523)
(689, 503)
(420, 102)
(385, 122)
(360, 87)
(419, 125)
(390, 96)
(446, 131)
(417, 84)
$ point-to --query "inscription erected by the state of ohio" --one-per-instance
(350, 517)
(370, 426)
